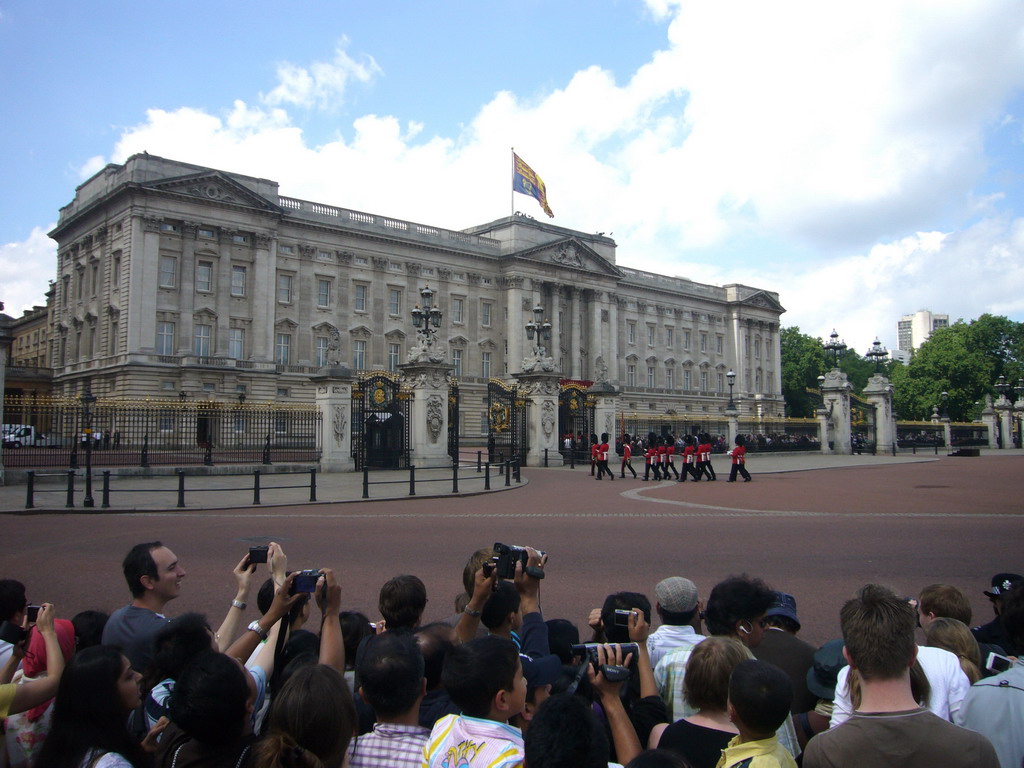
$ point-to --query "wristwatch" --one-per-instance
(255, 627)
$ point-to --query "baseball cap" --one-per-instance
(543, 670)
(783, 605)
(676, 594)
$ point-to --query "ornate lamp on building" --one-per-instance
(540, 329)
(835, 347)
(426, 320)
(878, 353)
(731, 378)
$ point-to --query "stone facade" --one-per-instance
(175, 277)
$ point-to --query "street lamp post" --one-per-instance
(88, 399)
(731, 378)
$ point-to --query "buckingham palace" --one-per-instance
(177, 279)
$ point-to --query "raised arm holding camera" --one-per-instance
(607, 675)
(243, 573)
(18, 698)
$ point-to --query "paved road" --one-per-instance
(818, 533)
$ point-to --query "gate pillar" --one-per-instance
(542, 417)
(605, 408)
(334, 398)
(428, 413)
(835, 395)
(878, 392)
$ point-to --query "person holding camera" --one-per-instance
(18, 698)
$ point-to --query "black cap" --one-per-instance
(1003, 583)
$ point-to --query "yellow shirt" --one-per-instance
(764, 753)
(7, 698)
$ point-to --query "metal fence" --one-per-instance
(157, 431)
(774, 434)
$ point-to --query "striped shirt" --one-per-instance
(469, 742)
(389, 745)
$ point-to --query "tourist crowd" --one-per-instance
(682, 679)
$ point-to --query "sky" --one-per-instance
(862, 160)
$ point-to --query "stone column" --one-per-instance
(428, 413)
(542, 429)
(988, 417)
(617, 374)
(334, 399)
(823, 429)
(574, 323)
(878, 392)
(595, 338)
(733, 417)
(835, 393)
(1005, 409)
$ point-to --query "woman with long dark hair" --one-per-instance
(97, 691)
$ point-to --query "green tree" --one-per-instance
(952, 361)
(803, 360)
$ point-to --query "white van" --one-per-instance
(26, 436)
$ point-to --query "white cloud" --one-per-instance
(323, 83)
(836, 129)
(26, 268)
(963, 274)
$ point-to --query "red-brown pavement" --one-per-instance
(816, 534)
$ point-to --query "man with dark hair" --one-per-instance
(605, 627)
(759, 699)
(210, 709)
(994, 706)
(154, 579)
(500, 613)
(12, 609)
(402, 601)
(995, 632)
(678, 607)
(736, 608)
(889, 727)
(434, 641)
(392, 682)
(485, 678)
(566, 734)
(780, 646)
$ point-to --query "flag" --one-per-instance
(527, 182)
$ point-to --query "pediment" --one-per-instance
(761, 299)
(571, 254)
(360, 332)
(458, 341)
(214, 186)
(395, 335)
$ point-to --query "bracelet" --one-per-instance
(474, 614)
(238, 604)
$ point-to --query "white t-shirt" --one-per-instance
(948, 682)
(108, 760)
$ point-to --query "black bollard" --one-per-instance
(71, 489)
(105, 502)
(30, 489)
(181, 488)
(312, 485)
(256, 487)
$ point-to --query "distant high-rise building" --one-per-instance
(913, 330)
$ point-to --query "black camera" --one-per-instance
(12, 633)
(507, 557)
(305, 581)
(613, 673)
(258, 554)
(32, 613)
(622, 616)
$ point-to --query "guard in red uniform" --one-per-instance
(739, 456)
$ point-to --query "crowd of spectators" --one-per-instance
(721, 682)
